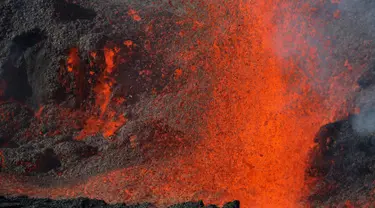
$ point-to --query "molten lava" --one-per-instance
(267, 101)
(73, 59)
(107, 121)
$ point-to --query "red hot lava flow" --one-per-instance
(106, 121)
(264, 111)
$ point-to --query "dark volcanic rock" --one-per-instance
(189, 204)
(345, 162)
(344, 159)
(234, 204)
(30, 160)
(46, 106)
(66, 11)
(34, 39)
(73, 150)
(25, 202)
(44, 101)
(13, 117)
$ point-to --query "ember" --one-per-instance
(73, 60)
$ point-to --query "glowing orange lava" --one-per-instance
(134, 14)
(108, 120)
(73, 59)
(266, 105)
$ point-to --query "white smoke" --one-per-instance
(361, 27)
(364, 123)
(349, 27)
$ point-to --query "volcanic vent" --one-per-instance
(165, 102)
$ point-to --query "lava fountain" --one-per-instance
(266, 105)
(267, 99)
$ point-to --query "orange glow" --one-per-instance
(93, 55)
(112, 124)
(104, 88)
(265, 106)
(348, 204)
(128, 43)
(120, 100)
(108, 121)
(107, 125)
(258, 130)
(73, 59)
(109, 55)
(134, 14)
(178, 73)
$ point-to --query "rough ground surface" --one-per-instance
(44, 107)
(25, 202)
(344, 160)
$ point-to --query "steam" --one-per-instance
(362, 13)
(364, 123)
(332, 45)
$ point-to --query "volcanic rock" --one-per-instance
(345, 154)
(57, 59)
(48, 106)
(25, 202)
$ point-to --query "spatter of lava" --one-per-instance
(265, 109)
